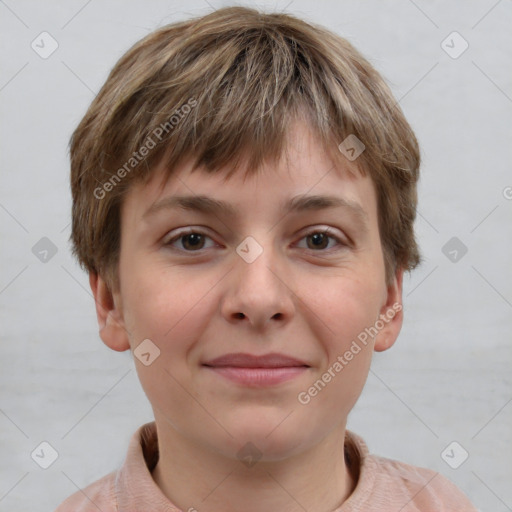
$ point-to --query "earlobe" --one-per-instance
(112, 329)
(391, 314)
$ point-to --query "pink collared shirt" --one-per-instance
(383, 485)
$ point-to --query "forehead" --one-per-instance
(305, 169)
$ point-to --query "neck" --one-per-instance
(193, 477)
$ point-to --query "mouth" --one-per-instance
(256, 371)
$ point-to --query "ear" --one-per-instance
(391, 314)
(110, 320)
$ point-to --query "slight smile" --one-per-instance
(257, 371)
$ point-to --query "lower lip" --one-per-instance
(258, 377)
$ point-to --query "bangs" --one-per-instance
(246, 94)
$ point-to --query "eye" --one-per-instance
(193, 240)
(189, 241)
(319, 240)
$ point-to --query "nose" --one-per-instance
(258, 293)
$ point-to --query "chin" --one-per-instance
(270, 440)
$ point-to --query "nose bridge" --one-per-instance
(256, 264)
(257, 291)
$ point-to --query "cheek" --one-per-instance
(168, 308)
(173, 312)
(346, 310)
(345, 307)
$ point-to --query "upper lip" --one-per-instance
(242, 360)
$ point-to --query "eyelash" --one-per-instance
(325, 232)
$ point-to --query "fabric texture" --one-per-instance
(383, 485)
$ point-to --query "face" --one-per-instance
(258, 310)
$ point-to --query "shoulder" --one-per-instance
(127, 487)
(384, 484)
(99, 495)
(421, 489)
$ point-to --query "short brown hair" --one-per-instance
(228, 85)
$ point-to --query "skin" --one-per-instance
(295, 298)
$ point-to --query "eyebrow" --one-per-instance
(302, 203)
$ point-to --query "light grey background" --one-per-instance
(448, 377)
